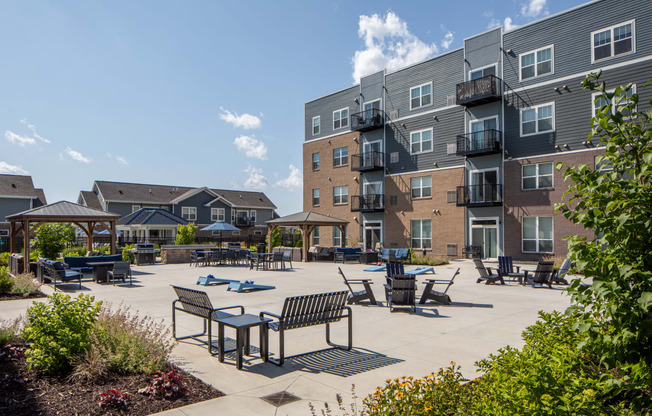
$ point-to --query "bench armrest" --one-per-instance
(518, 269)
(359, 281)
(436, 281)
(262, 315)
(230, 307)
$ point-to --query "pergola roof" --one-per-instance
(306, 218)
(63, 211)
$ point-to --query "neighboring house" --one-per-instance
(203, 206)
(17, 194)
(149, 223)
(461, 149)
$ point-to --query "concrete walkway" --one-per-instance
(386, 345)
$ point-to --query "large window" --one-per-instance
(337, 237)
(421, 233)
(217, 214)
(252, 216)
(482, 72)
(539, 119)
(599, 101)
(189, 213)
(340, 195)
(340, 118)
(421, 141)
(537, 235)
(421, 187)
(537, 63)
(340, 156)
(315, 197)
(316, 125)
(315, 161)
(421, 96)
(538, 176)
(613, 41)
(315, 236)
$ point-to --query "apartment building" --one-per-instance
(17, 194)
(460, 150)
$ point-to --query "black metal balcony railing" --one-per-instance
(367, 120)
(244, 222)
(368, 161)
(368, 203)
(479, 91)
(479, 195)
(478, 143)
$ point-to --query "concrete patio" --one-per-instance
(387, 345)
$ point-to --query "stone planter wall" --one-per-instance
(180, 254)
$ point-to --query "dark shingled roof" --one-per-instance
(91, 200)
(17, 185)
(163, 194)
(65, 209)
(151, 216)
(40, 194)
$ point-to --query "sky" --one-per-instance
(202, 93)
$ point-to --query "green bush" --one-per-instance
(6, 281)
(59, 330)
(26, 285)
(4, 259)
(74, 251)
(51, 238)
(428, 261)
(128, 255)
(299, 244)
(186, 234)
(9, 331)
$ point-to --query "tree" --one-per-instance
(51, 238)
(615, 200)
(186, 234)
(277, 239)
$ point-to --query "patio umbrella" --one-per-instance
(220, 226)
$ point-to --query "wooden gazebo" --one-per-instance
(306, 221)
(63, 211)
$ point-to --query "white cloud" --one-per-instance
(11, 169)
(18, 139)
(534, 8)
(493, 23)
(255, 180)
(448, 40)
(76, 155)
(33, 129)
(293, 181)
(251, 146)
(388, 44)
(509, 25)
(121, 160)
(246, 121)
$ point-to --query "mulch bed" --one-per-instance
(23, 393)
(11, 296)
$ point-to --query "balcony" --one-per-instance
(479, 91)
(489, 195)
(368, 161)
(244, 222)
(367, 120)
(368, 203)
(479, 143)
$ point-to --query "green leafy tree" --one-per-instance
(186, 234)
(51, 238)
(277, 239)
(615, 200)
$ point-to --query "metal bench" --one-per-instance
(197, 303)
(310, 310)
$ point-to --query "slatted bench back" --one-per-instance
(309, 310)
(194, 302)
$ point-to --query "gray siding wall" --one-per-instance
(448, 125)
(444, 71)
(324, 108)
(198, 200)
(573, 111)
(124, 208)
(571, 35)
(483, 50)
(371, 87)
(10, 206)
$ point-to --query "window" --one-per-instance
(258, 232)
(135, 208)
(217, 214)
(421, 96)
(451, 148)
(483, 72)
(315, 197)
(538, 176)
(189, 213)
(232, 216)
(537, 234)
(421, 187)
(337, 237)
(451, 196)
(252, 216)
(315, 236)
(316, 125)
(539, 119)
(537, 63)
(599, 101)
(340, 118)
(4, 233)
(341, 156)
(613, 41)
(315, 161)
(340, 195)
(421, 141)
(393, 200)
(393, 157)
(421, 233)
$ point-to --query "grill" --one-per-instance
(145, 253)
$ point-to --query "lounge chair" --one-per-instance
(486, 274)
(542, 275)
(210, 280)
(421, 270)
(506, 269)
(439, 297)
(559, 278)
(359, 296)
(121, 269)
(401, 292)
(247, 286)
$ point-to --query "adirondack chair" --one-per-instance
(506, 269)
(401, 292)
(439, 297)
(361, 295)
(558, 278)
(486, 274)
(542, 275)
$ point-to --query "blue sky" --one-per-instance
(202, 93)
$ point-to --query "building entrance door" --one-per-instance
(372, 234)
(484, 233)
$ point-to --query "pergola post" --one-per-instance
(26, 234)
(89, 233)
(342, 231)
(270, 230)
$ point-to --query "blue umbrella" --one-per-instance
(220, 226)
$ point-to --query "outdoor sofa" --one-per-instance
(80, 263)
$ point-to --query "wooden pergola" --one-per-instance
(63, 211)
(306, 221)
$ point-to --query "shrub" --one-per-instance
(51, 238)
(4, 259)
(165, 385)
(58, 330)
(428, 261)
(74, 251)
(299, 243)
(128, 255)
(6, 281)
(9, 331)
(26, 285)
(186, 234)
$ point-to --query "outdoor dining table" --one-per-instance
(265, 258)
(100, 270)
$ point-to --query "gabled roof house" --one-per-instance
(17, 194)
